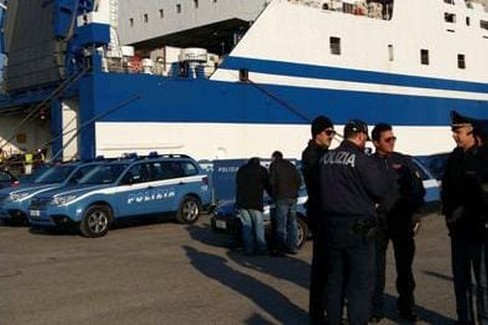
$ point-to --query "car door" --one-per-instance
(134, 192)
(165, 183)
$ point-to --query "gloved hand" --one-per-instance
(455, 216)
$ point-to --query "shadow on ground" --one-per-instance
(266, 297)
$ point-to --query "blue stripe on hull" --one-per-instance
(342, 74)
(170, 100)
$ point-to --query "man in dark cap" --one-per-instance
(322, 134)
(350, 212)
(464, 205)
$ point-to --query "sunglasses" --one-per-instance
(390, 139)
(330, 132)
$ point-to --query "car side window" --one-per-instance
(160, 170)
(189, 168)
(136, 174)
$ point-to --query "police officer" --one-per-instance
(463, 186)
(351, 185)
(405, 196)
(322, 134)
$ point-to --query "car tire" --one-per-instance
(302, 232)
(96, 221)
(189, 210)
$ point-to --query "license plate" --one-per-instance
(35, 213)
(220, 224)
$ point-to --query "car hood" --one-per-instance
(28, 189)
(73, 190)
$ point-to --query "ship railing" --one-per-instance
(369, 9)
(170, 69)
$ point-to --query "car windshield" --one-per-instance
(56, 174)
(104, 174)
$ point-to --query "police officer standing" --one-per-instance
(322, 134)
(404, 197)
(351, 186)
(462, 203)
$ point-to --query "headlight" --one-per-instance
(60, 200)
(18, 196)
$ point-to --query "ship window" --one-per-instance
(131, 22)
(146, 18)
(461, 61)
(449, 17)
(424, 57)
(390, 52)
(195, 3)
(214, 1)
(335, 45)
(178, 8)
(451, 2)
(468, 21)
(484, 24)
(161, 13)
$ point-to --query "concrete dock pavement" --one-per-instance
(166, 273)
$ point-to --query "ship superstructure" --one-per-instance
(408, 63)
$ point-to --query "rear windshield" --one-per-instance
(104, 174)
(56, 174)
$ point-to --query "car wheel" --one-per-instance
(302, 232)
(189, 210)
(96, 221)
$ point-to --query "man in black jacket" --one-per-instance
(252, 180)
(352, 185)
(464, 187)
(285, 183)
(405, 196)
(323, 132)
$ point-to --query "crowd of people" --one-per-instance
(24, 162)
(358, 203)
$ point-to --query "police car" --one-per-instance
(129, 187)
(225, 220)
(14, 202)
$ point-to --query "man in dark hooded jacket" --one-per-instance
(252, 180)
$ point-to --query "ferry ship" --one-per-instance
(404, 62)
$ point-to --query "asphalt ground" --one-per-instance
(166, 273)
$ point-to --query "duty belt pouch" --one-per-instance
(364, 226)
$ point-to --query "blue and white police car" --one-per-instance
(130, 187)
(14, 202)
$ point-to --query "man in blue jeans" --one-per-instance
(285, 183)
(252, 180)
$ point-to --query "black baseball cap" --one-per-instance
(355, 126)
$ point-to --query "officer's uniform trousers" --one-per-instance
(351, 267)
